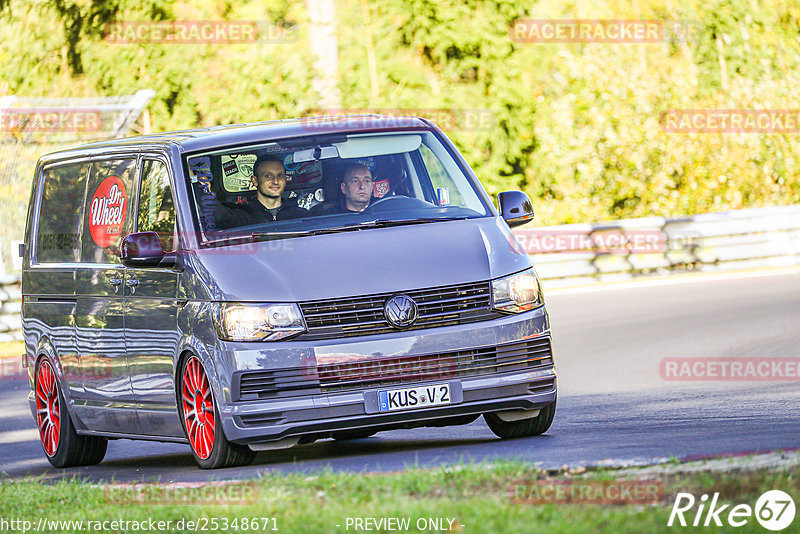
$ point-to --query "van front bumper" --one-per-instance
(326, 410)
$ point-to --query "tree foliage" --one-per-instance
(575, 125)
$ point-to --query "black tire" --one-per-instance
(534, 426)
(71, 449)
(223, 453)
(357, 433)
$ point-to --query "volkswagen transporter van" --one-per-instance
(259, 286)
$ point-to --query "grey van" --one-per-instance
(259, 286)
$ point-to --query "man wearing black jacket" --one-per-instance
(356, 188)
(269, 179)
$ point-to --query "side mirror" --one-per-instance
(515, 207)
(143, 249)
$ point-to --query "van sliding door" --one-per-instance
(108, 403)
(151, 329)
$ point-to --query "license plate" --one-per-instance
(409, 398)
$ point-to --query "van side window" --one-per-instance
(108, 216)
(60, 211)
(156, 208)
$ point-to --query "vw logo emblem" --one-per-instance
(400, 311)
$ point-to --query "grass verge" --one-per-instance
(479, 498)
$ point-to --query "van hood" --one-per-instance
(372, 260)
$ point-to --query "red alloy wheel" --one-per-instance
(198, 408)
(48, 408)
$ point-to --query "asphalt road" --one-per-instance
(614, 407)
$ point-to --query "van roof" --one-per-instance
(217, 136)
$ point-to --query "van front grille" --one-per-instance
(380, 372)
(277, 384)
(472, 362)
(362, 316)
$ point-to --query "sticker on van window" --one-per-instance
(237, 171)
(107, 211)
(368, 162)
(380, 188)
(200, 173)
(229, 167)
(302, 175)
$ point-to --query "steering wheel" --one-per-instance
(385, 198)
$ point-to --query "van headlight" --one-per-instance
(258, 322)
(517, 293)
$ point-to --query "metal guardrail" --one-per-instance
(624, 249)
(10, 304)
(111, 116)
(582, 254)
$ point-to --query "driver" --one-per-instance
(356, 186)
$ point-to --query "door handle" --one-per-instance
(116, 282)
(132, 283)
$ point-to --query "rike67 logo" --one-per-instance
(774, 510)
(107, 211)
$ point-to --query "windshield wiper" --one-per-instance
(376, 223)
(284, 235)
(304, 233)
(380, 223)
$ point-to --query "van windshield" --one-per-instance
(328, 183)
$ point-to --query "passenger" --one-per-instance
(269, 179)
(356, 186)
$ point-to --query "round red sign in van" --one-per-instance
(107, 211)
